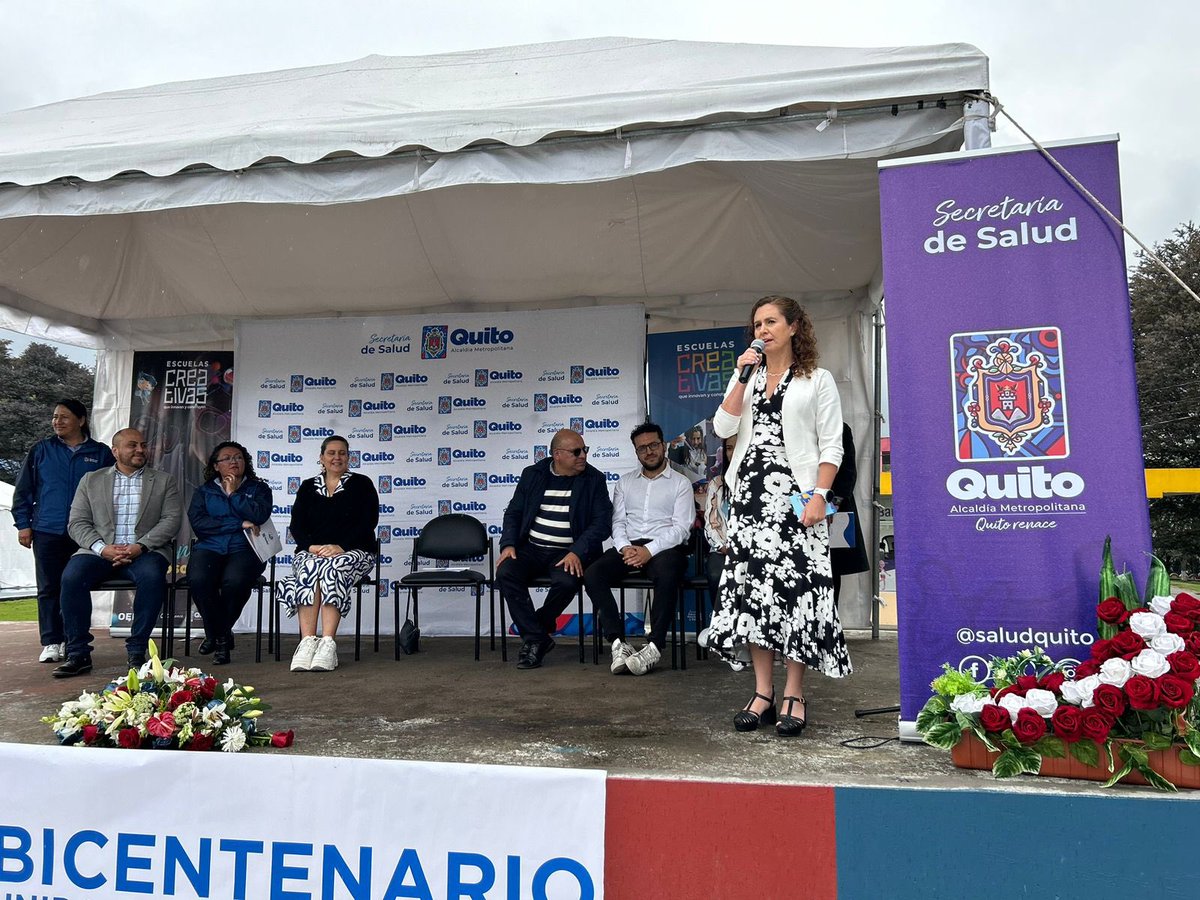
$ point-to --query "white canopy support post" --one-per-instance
(977, 125)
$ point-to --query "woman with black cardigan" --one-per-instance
(333, 523)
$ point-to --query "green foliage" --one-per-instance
(1086, 751)
(951, 683)
(931, 713)
(18, 610)
(29, 386)
(1017, 761)
(1054, 747)
(944, 735)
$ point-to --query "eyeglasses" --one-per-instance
(228, 459)
(648, 448)
(574, 451)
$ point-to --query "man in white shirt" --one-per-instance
(653, 513)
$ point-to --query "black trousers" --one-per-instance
(221, 585)
(51, 552)
(513, 577)
(714, 565)
(665, 570)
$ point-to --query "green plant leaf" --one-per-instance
(1133, 753)
(1188, 758)
(1192, 739)
(1054, 747)
(944, 735)
(1127, 591)
(1087, 752)
(1119, 774)
(1016, 762)
(1106, 630)
(1155, 780)
(1156, 741)
(931, 714)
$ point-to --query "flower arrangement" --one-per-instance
(165, 707)
(1136, 694)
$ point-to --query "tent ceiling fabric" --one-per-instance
(512, 95)
(688, 221)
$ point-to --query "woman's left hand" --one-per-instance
(814, 511)
(253, 528)
(330, 550)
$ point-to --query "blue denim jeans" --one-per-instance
(85, 571)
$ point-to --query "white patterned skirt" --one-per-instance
(335, 576)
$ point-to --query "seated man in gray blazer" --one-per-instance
(123, 518)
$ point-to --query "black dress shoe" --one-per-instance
(207, 646)
(533, 651)
(135, 659)
(220, 655)
(75, 665)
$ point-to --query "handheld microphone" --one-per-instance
(758, 346)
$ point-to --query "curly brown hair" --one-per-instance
(210, 468)
(804, 341)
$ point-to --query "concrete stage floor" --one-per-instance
(441, 705)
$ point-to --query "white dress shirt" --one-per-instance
(658, 509)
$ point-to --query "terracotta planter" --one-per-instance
(970, 753)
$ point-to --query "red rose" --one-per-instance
(1086, 668)
(1110, 699)
(1026, 683)
(1029, 726)
(208, 687)
(129, 738)
(200, 742)
(1186, 605)
(1110, 610)
(1053, 682)
(1174, 692)
(179, 698)
(1178, 624)
(997, 693)
(1128, 642)
(995, 719)
(1095, 724)
(1184, 664)
(1102, 650)
(90, 733)
(1068, 722)
(1142, 692)
(1191, 642)
(283, 738)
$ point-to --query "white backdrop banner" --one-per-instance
(375, 828)
(443, 412)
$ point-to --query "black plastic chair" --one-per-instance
(543, 581)
(452, 538)
(184, 585)
(641, 582)
(167, 633)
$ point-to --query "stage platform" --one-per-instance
(688, 798)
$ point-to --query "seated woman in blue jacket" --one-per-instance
(223, 567)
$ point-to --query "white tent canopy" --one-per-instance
(689, 177)
(16, 563)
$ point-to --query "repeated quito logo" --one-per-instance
(383, 534)
(355, 459)
(387, 381)
(540, 403)
(576, 374)
(1009, 395)
(481, 378)
(297, 383)
(293, 432)
(263, 458)
(385, 484)
(479, 481)
(355, 407)
(287, 535)
(540, 452)
(443, 456)
(576, 424)
(480, 428)
(434, 341)
(264, 409)
(385, 431)
(293, 484)
(444, 404)
(443, 507)
(301, 383)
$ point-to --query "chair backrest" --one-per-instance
(453, 536)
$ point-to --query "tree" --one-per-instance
(29, 386)
(1166, 343)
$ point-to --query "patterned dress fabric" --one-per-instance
(336, 576)
(777, 584)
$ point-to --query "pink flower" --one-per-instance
(161, 725)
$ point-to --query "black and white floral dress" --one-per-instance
(777, 584)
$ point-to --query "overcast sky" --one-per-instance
(1063, 69)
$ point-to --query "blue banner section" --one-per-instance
(687, 372)
(922, 845)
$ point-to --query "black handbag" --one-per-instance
(409, 637)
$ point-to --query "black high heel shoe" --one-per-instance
(789, 725)
(220, 655)
(749, 721)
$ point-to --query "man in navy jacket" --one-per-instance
(555, 524)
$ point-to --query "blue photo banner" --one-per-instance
(687, 372)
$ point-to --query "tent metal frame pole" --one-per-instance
(876, 468)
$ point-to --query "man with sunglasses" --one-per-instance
(653, 512)
(555, 525)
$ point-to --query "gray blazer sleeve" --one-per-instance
(81, 525)
(170, 513)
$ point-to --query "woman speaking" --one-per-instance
(777, 585)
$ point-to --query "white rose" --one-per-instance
(1161, 605)
(970, 704)
(1041, 702)
(1114, 671)
(1150, 663)
(1167, 643)
(1071, 693)
(1087, 687)
(1147, 624)
(1013, 704)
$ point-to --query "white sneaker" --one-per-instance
(621, 652)
(302, 659)
(644, 660)
(325, 659)
(62, 652)
(51, 653)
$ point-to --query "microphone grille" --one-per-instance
(757, 344)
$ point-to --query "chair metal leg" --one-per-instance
(491, 617)
(358, 627)
(258, 627)
(396, 618)
(376, 618)
(582, 652)
(478, 603)
(503, 630)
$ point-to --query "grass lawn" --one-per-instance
(18, 610)
(1192, 587)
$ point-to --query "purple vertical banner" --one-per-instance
(1016, 444)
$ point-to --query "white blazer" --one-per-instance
(812, 426)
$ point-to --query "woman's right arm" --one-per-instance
(301, 532)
